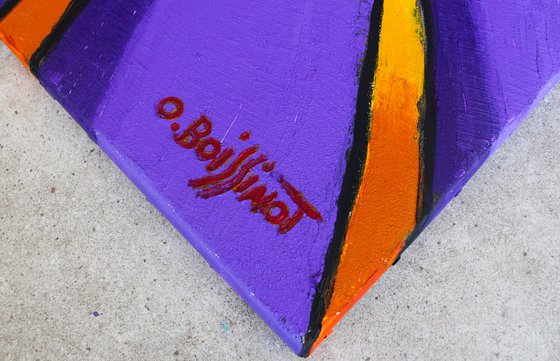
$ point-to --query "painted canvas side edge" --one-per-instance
(352, 179)
(73, 10)
(163, 205)
(81, 89)
(504, 135)
(429, 212)
(431, 207)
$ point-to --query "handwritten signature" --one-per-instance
(229, 174)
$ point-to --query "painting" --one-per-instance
(299, 146)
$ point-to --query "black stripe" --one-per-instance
(430, 123)
(352, 180)
(428, 127)
(72, 12)
(7, 8)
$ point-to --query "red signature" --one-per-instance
(229, 174)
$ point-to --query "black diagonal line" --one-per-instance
(7, 8)
(351, 182)
(428, 127)
(70, 14)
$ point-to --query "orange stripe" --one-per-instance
(29, 23)
(384, 213)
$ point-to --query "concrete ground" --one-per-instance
(89, 270)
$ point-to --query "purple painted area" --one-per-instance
(492, 60)
(287, 73)
(4, 2)
(78, 71)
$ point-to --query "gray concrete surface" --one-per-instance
(482, 283)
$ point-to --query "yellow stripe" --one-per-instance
(385, 209)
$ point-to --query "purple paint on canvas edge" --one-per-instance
(113, 124)
(486, 80)
(349, 112)
(162, 204)
(79, 69)
(502, 121)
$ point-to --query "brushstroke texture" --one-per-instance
(79, 68)
(385, 209)
(378, 136)
(29, 23)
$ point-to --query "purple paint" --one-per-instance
(244, 73)
(286, 73)
(243, 81)
(492, 60)
(4, 3)
(79, 70)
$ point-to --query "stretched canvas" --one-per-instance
(299, 146)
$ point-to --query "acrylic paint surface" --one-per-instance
(79, 70)
(492, 61)
(385, 210)
(251, 152)
(29, 23)
(285, 105)
(285, 96)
